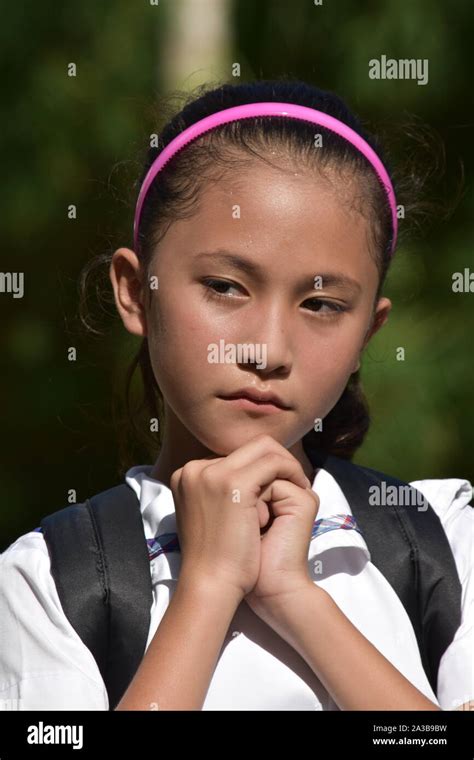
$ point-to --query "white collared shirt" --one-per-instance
(45, 665)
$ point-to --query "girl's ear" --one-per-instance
(379, 317)
(126, 276)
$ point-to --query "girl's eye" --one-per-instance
(333, 308)
(212, 283)
(210, 292)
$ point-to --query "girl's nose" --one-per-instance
(271, 339)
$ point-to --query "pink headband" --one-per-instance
(267, 109)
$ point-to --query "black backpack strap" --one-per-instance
(410, 548)
(101, 567)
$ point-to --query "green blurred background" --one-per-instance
(76, 140)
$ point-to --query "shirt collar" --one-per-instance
(156, 501)
(335, 526)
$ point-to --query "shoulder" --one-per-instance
(451, 499)
(26, 557)
(42, 659)
(27, 587)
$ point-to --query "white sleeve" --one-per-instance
(44, 664)
(450, 498)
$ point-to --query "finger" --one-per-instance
(258, 447)
(284, 495)
(282, 489)
(268, 468)
(286, 489)
(263, 512)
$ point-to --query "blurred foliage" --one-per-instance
(75, 140)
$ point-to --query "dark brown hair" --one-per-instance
(175, 193)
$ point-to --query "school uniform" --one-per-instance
(45, 665)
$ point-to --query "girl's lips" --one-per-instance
(254, 406)
(258, 396)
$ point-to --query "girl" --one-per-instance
(263, 237)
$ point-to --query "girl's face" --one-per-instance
(282, 229)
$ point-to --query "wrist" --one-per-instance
(206, 586)
(291, 595)
(282, 610)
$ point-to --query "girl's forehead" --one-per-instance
(275, 219)
(263, 193)
(284, 205)
(285, 222)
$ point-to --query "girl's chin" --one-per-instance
(235, 439)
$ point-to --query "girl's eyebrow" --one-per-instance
(258, 273)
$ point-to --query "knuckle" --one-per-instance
(270, 457)
(266, 439)
(188, 471)
(208, 477)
